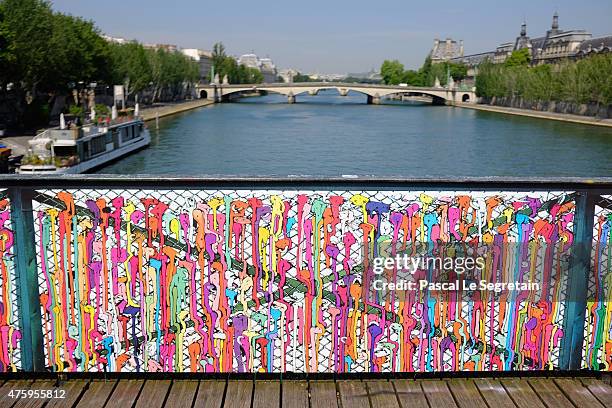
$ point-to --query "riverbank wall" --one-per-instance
(569, 108)
(562, 117)
(152, 112)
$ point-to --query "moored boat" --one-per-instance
(82, 149)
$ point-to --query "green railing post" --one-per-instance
(22, 218)
(578, 282)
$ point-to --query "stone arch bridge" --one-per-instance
(222, 92)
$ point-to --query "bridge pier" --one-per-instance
(313, 92)
(373, 100)
(343, 91)
(291, 98)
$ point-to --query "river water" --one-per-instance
(330, 135)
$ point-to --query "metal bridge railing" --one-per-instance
(120, 274)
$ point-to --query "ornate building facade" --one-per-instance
(555, 45)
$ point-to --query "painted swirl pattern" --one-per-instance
(597, 353)
(10, 335)
(271, 281)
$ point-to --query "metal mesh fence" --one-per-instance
(10, 334)
(597, 351)
(273, 281)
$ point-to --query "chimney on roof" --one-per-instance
(555, 23)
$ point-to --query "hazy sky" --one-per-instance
(336, 36)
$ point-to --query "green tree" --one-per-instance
(131, 66)
(299, 77)
(44, 54)
(236, 74)
(457, 71)
(579, 82)
(411, 77)
(26, 27)
(79, 54)
(218, 57)
(171, 73)
(392, 72)
(518, 58)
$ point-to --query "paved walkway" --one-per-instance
(396, 393)
(150, 112)
(585, 120)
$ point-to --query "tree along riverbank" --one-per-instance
(582, 87)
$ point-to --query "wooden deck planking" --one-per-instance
(238, 394)
(36, 402)
(12, 385)
(74, 390)
(182, 393)
(437, 393)
(601, 390)
(521, 393)
(494, 393)
(549, 393)
(210, 394)
(322, 394)
(577, 393)
(153, 394)
(466, 394)
(125, 394)
(410, 393)
(353, 394)
(97, 393)
(469, 393)
(295, 394)
(267, 394)
(382, 394)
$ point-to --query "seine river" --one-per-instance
(330, 135)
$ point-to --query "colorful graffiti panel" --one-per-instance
(597, 354)
(10, 335)
(276, 281)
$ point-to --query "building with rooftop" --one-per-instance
(249, 60)
(264, 65)
(555, 45)
(446, 50)
(552, 47)
(203, 58)
(268, 70)
(165, 47)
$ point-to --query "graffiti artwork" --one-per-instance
(597, 352)
(10, 335)
(271, 281)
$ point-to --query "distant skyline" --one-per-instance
(336, 36)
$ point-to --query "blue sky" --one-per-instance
(336, 36)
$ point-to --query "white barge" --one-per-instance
(78, 150)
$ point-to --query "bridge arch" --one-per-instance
(381, 93)
(203, 94)
(373, 92)
(226, 93)
(314, 88)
